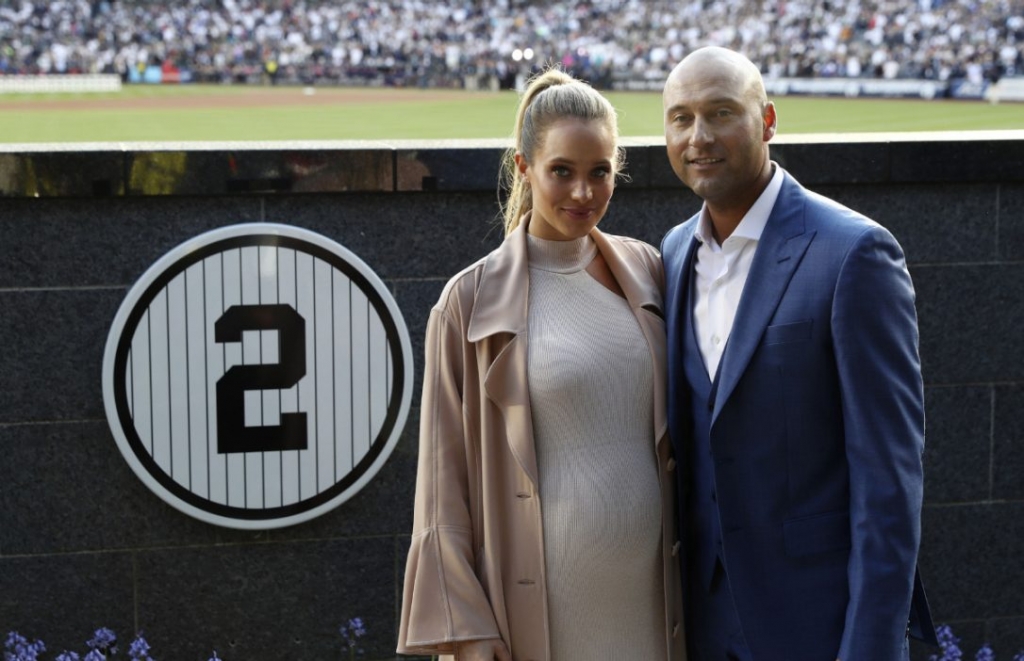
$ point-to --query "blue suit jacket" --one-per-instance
(817, 434)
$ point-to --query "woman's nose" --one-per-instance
(582, 190)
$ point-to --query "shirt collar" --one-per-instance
(753, 223)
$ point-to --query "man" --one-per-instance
(795, 396)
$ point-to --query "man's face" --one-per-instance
(716, 131)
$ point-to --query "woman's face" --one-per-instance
(571, 177)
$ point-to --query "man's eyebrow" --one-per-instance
(721, 101)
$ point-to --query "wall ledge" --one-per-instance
(131, 169)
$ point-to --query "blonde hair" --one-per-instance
(550, 96)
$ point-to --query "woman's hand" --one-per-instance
(490, 649)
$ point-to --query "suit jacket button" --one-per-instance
(670, 465)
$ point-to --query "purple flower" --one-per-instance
(985, 654)
(139, 649)
(18, 648)
(94, 655)
(104, 641)
(948, 643)
(68, 656)
(352, 631)
(215, 657)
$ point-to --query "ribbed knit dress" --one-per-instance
(591, 388)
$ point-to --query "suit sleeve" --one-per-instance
(442, 600)
(874, 326)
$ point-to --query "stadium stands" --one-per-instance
(488, 43)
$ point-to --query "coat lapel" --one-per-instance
(779, 252)
(500, 308)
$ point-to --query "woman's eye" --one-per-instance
(601, 173)
(560, 171)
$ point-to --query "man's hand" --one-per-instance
(491, 649)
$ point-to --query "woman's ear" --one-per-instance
(521, 163)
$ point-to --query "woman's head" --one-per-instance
(565, 153)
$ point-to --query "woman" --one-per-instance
(543, 523)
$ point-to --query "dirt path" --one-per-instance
(235, 98)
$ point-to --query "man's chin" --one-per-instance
(703, 187)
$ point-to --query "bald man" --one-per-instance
(796, 404)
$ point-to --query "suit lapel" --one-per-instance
(779, 252)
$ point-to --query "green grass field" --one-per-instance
(204, 113)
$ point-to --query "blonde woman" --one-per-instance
(544, 519)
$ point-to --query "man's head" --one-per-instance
(718, 122)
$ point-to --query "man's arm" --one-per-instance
(874, 326)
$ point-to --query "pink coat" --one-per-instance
(476, 565)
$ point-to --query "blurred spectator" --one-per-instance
(481, 43)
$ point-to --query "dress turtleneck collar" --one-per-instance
(560, 256)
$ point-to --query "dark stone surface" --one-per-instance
(649, 214)
(416, 298)
(411, 236)
(65, 488)
(1006, 635)
(1008, 444)
(53, 352)
(62, 599)
(87, 243)
(952, 161)
(970, 319)
(1011, 222)
(957, 441)
(268, 601)
(840, 162)
(953, 223)
(970, 560)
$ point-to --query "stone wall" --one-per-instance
(84, 544)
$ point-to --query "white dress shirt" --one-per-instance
(722, 270)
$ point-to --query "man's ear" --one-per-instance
(770, 122)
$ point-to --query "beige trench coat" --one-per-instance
(476, 565)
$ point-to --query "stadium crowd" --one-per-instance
(471, 42)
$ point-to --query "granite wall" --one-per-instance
(83, 543)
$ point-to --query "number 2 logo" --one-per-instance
(257, 376)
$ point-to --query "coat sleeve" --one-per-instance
(874, 326)
(442, 600)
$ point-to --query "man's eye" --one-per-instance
(724, 112)
(682, 119)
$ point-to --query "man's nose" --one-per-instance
(701, 133)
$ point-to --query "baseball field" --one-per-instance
(256, 113)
